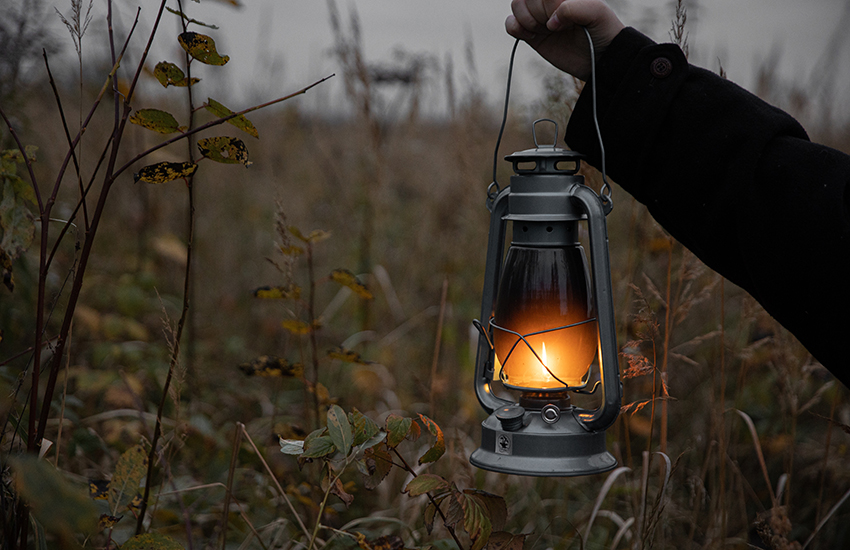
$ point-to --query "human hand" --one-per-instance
(554, 29)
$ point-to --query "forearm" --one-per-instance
(733, 178)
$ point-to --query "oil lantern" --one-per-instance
(547, 328)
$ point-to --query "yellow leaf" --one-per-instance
(289, 292)
(163, 172)
(240, 121)
(202, 48)
(267, 365)
(348, 279)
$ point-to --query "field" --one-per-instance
(219, 313)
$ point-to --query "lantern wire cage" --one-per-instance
(523, 338)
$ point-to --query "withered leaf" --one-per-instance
(379, 463)
(99, 489)
(163, 172)
(502, 540)
(156, 120)
(202, 48)
(291, 250)
(106, 521)
(439, 447)
(289, 292)
(348, 279)
(240, 121)
(170, 74)
(224, 149)
(151, 541)
(338, 489)
(315, 236)
(300, 327)
(387, 542)
(347, 355)
(267, 365)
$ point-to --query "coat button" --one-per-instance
(661, 67)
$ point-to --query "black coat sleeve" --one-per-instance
(734, 179)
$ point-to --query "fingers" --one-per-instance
(529, 15)
(516, 30)
(593, 14)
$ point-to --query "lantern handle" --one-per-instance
(605, 192)
(534, 132)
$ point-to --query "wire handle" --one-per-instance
(605, 193)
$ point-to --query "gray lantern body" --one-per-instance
(543, 434)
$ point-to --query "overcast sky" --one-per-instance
(277, 46)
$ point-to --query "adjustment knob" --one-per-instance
(550, 413)
(510, 417)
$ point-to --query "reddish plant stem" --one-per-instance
(433, 501)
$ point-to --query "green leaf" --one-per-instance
(61, 507)
(156, 120)
(439, 447)
(348, 279)
(378, 463)
(17, 223)
(188, 20)
(476, 521)
(430, 514)
(289, 292)
(240, 121)
(426, 483)
(339, 429)
(397, 429)
(224, 149)
(131, 468)
(151, 541)
(291, 446)
(170, 74)
(267, 365)
(163, 172)
(364, 427)
(318, 447)
(497, 509)
(202, 48)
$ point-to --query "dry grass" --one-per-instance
(733, 431)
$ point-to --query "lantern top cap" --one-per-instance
(545, 151)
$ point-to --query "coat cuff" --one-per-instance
(636, 81)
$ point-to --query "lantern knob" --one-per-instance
(511, 417)
(550, 413)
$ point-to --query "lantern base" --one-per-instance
(538, 448)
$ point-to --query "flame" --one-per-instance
(543, 364)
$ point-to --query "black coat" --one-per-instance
(734, 179)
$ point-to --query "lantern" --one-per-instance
(548, 319)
